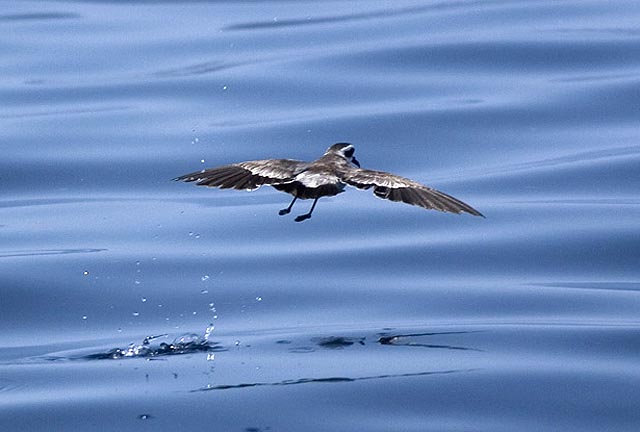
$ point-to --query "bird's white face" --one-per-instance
(348, 153)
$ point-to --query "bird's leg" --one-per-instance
(288, 209)
(307, 215)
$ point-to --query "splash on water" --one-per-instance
(149, 348)
(187, 343)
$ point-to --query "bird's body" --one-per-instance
(326, 176)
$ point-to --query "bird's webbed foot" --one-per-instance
(288, 209)
(303, 217)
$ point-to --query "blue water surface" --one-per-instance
(131, 302)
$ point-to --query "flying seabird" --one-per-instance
(326, 176)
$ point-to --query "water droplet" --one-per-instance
(84, 317)
(224, 87)
(135, 314)
(194, 313)
(201, 160)
(86, 273)
(137, 263)
(259, 299)
(237, 343)
(204, 291)
(137, 282)
(215, 317)
(190, 233)
(204, 278)
(208, 331)
(119, 329)
(144, 416)
(197, 236)
(197, 139)
(143, 299)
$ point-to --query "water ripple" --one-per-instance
(594, 285)
(332, 380)
(202, 68)
(526, 56)
(45, 252)
(64, 112)
(39, 16)
(383, 13)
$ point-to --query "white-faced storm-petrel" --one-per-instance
(326, 176)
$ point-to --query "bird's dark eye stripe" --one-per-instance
(349, 152)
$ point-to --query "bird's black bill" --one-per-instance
(355, 162)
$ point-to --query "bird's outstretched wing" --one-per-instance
(247, 175)
(396, 188)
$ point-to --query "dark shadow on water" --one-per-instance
(405, 339)
(337, 342)
(330, 380)
(410, 340)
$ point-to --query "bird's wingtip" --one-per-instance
(475, 213)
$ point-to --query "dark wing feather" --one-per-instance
(247, 175)
(396, 188)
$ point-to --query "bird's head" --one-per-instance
(345, 151)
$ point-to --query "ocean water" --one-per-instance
(131, 302)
